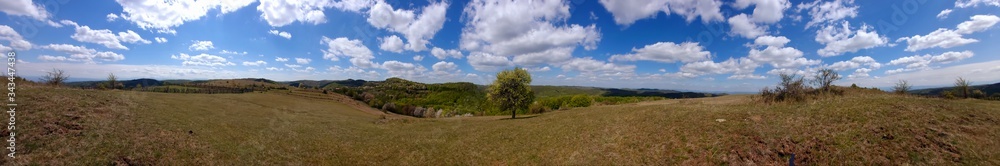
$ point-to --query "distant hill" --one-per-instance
(145, 82)
(989, 89)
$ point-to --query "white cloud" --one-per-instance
(418, 58)
(944, 14)
(112, 17)
(667, 52)
(202, 60)
(280, 59)
(417, 29)
(15, 39)
(83, 54)
(766, 11)
(107, 38)
(741, 68)
(981, 72)
(974, 3)
(165, 15)
(160, 39)
(741, 26)
(629, 11)
(200, 45)
(918, 62)
(523, 30)
(403, 69)
(278, 13)
(444, 68)
(844, 40)
(303, 61)
(781, 57)
(232, 52)
(360, 55)
(488, 62)
(257, 63)
(442, 54)
(855, 62)
(947, 38)
(828, 12)
(778, 41)
(24, 8)
(977, 23)
(275, 69)
(392, 44)
(589, 65)
(293, 66)
(283, 34)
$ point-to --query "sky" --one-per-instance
(697, 45)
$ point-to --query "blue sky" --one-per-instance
(702, 45)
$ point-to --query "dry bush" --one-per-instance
(791, 88)
(55, 77)
(902, 87)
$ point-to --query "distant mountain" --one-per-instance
(989, 89)
(145, 82)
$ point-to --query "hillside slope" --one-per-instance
(104, 127)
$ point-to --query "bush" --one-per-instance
(55, 77)
(580, 101)
(978, 94)
(948, 95)
(791, 88)
(902, 87)
(537, 108)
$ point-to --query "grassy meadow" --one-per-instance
(61, 126)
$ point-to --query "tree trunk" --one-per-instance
(513, 113)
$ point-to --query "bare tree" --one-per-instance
(902, 87)
(825, 77)
(962, 87)
(55, 77)
(112, 81)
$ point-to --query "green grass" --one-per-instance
(278, 128)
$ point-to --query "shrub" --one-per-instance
(580, 101)
(825, 77)
(978, 94)
(948, 94)
(962, 87)
(902, 87)
(791, 88)
(537, 108)
(55, 77)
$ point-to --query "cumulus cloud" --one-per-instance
(15, 39)
(280, 59)
(523, 30)
(944, 14)
(627, 12)
(112, 17)
(974, 3)
(303, 61)
(403, 69)
(232, 52)
(418, 58)
(160, 39)
(163, 16)
(202, 60)
(765, 11)
(358, 53)
(256, 63)
(741, 26)
(666, 52)
(392, 44)
(283, 34)
(25, 8)
(844, 40)
(80, 54)
(742, 68)
(948, 38)
(488, 62)
(828, 12)
(924, 62)
(417, 30)
(200, 45)
(278, 13)
(589, 65)
(107, 38)
(442, 54)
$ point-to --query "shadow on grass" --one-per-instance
(522, 117)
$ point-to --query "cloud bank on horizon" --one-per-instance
(705, 45)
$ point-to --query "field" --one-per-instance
(59, 126)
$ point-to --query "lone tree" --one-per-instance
(962, 87)
(112, 81)
(55, 77)
(902, 87)
(511, 91)
(825, 77)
